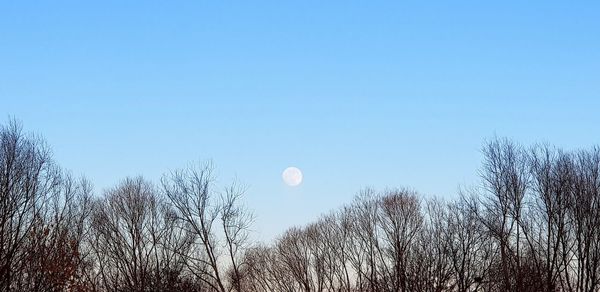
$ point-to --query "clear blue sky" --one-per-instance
(355, 93)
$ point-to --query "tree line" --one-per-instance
(530, 224)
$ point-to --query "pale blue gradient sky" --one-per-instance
(355, 93)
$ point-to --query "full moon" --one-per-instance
(292, 176)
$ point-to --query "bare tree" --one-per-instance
(134, 240)
(235, 222)
(198, 209)
(41, 216)
(366, 253)
(294, 251)
(470, 248)
(401, 220)
(585, 212)
(548, 233)
(26, 178)
(190, 192)
(506, 179)
(54, 246)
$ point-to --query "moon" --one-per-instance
(292, 176)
